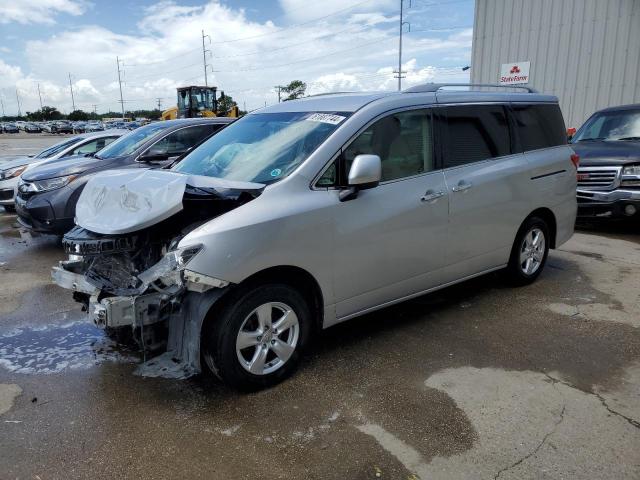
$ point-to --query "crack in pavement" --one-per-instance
(631, 421)
(535, 450)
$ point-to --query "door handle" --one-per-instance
(462, 186)
(430, 196)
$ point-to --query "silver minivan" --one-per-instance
(314, 211)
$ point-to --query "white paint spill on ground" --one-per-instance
(229, 432)
(8, 394)
(334, 416)
(403, 452)
(55, 348)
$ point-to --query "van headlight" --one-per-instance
(50, 183)
(174, 261)
(12, 172)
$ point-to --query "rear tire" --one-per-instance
(529, 252)
(256, 338)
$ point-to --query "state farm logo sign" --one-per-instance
(514, 73)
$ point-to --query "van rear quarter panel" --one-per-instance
(553, 186)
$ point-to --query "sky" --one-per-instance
(252, 46)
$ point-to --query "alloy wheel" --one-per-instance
(267, 338)
(532, 251)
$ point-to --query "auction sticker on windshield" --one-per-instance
(325, 118)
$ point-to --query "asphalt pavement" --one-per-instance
(476, 381)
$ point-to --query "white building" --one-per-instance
(586, 52)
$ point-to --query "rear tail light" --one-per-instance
(575, 159)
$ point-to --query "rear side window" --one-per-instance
(539, 126)
(475, 133)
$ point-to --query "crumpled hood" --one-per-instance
(603, 153)
(68, 166)
(124, 201)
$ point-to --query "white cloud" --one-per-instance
(38, 11)
(353, 50)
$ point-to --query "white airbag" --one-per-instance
(124, 201)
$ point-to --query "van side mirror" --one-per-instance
(365, 172)
(570, 133)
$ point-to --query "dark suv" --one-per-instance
(609, 174)
(47, 195)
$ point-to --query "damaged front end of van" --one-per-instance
(130, 272)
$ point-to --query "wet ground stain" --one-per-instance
(57, 348)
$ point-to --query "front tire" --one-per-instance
(529, 252)
(256, 338)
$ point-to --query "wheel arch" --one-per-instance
(295, 277)
(298, 279)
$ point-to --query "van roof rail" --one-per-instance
(435, 87)
(326, 93)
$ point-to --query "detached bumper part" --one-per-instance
(116, 312)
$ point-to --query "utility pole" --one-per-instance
(2, 103)
(279, 87)
(18, 100)
(95, 108)
(40, 96)
(402, 24)
(204, 57)
(159, 103)
(120, 83)
(73, 102)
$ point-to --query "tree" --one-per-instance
(225, 103)
(295, 89)
(78, 115)
(45, 113)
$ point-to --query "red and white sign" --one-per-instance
(515, 73)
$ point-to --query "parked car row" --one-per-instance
(11, 170)
(9, 128)
(64, 126)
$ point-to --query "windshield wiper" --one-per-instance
(629, 138)
(592, 139)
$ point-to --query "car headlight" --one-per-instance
(630, 176)
(51, 183)
(12, 172)
(631, 170)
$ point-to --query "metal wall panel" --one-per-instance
(586, 52)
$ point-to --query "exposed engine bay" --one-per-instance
(136, 282)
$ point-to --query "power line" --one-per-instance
(306, 59)
(293, 26)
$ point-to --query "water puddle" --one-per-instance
(57, 348)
